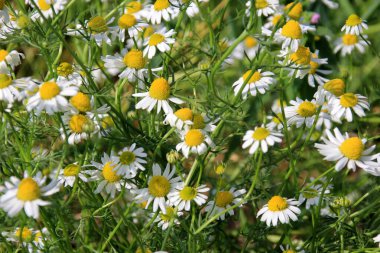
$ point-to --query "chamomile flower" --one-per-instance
(11, 59)
(129, 161)
(78, 127)
(159, 95)
(249, 47)
(253, 83)
(314, 74)
(294, 10)
(329, 90)
(224, 200)
(26, 194)
(273, 20)
(348, 42)
(325, 118)
(51, 97)
(47, 8)
(184, 195)
(194, 141)
(376, 239)
(30, 238)
(298, 61)
(159, 186)
(313, 193)
(263, 7)
(159, 40)
(110, 181)
(192, 7)
(354, 25)
(135, 8)
(164, 218)
(347, 151)
(161, 9)
(182, 118)
(67, 72)
(343, 106)
(260, 137)
(279, 209)
(128, 24)
(9, 89)
(69, 174)
(301, 112)
(203, 122)
(276, 121)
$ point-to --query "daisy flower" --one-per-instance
(325, 118)
(343, 106)
(313, 193)
(249, 47)
(348, 42)
(376, 239)
(161, 9)
(298, 61)
(48, 8)
(354, 25)
(78, 126)
(67, 72)
(51, 97)
(182, 118)
(159, 40)
(11, 59)
(260, 137)
(135, 8)
(184, 195)
(273, 20)
(279, 209)
(129, 161)
(294, 10)
(9, 88)
(276, 122)
(106, 174)
(159, 95)
(347, 151)
(194, 141)
(128, 24)
(30, 238)
(258, 82)
(313, 76)
(263, 7)
(69, 174)
(204, 123)
(26, 194)
(159, 186)
(300, 112)
(329, 90)
(164, 219)
(224, 200)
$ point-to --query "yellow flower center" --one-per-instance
(350, 39)
(25, 234)
(156, 39)
(198, 122)
(97, 25)
(169, 214)
(134, 7)
(148, 31)
(159, 186)
(295, 10)
(134, 59)
(335, 86)
(109, 174)
(220, 169)
(71, 170)
(184, 114)
(160, 89)
(127, 21)
(127, 157)
(194, 137)
(28, 190)
(254, 78)
(250, 42)
(278, 119)
(348, 100)
(353, 20)
(188, 193)
(289, 251)
(43, 5)
(307, 109)
(292, 29)
(260, 133)
(313, 67)
(107, 122)
(78, 123)
(3, 54)
(65, 69)
(275, 19)
(302, 56)
(224, 198)
(261, 4)
(145, 250)
(49, 90)
(161, 4)
(352, 148)
(81, 102)
(38, 236)
(5, 81)
(277, 203)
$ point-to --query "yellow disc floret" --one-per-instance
(134, 59)
(277, 203)
(28, 190)
(198, 121)
(127, 157)
(156, 39)
(223, 198)
(133, 7)
(78, 123)
(353, 20)
(350, 39)
(306, 109)
(292, 29)
(5, 81)
(161, 5)
(159, 186)
(352, 148)
(348, 100)
(97, 25)
(24, 233)
(302, 56)
(260, 133)
(3, 54)
(261, 4)
(184, 114)
(49, 90)
(194, 137)
(81, 102)
(109, 174)
(168, 215)
(127, 21)
(71, 170)
(250, 42)
(256, 76)
(44, 5)
(295, 10)
(65, 69)
(188, 193)
(160, 89)
(335, 86)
